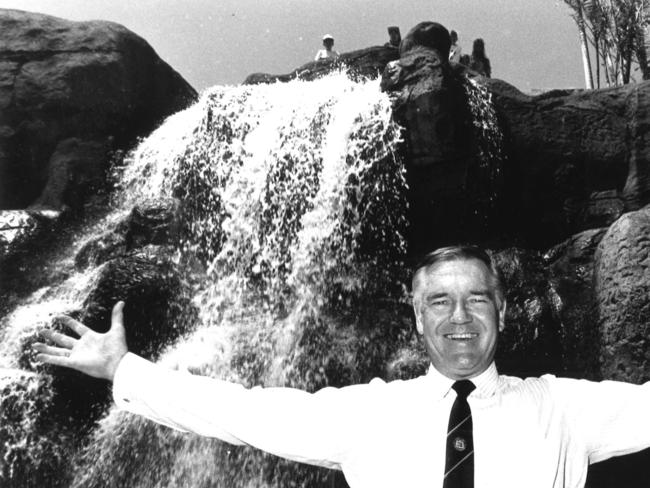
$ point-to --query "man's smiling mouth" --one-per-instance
(465, 336)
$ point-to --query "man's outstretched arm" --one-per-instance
(294, 424)
(92, 353)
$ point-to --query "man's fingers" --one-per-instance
(55, 360)
(51, 351)
(73, 324)
(58, 338)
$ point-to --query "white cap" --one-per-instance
(328, 36)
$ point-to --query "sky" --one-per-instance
(532, 44)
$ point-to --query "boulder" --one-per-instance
(570, 267)
(622, 288)
(69, 93)
(154, 223)
(363, 63)
(20, 230)
(530, 344)
(75, 171)
(575, 159)
(157, 304)
(431, 102)
(566, 160)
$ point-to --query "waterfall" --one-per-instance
(291, 209)
(489, 147)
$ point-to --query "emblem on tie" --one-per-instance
(460, 444)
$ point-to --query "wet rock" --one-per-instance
(431, 103)
(33, 449)
(154, 223)
(76, 171)
(571, 268)
(157, 308)
(622, 288)
(530, 344)
(95, 82)
(429, 35)
(20, 230)
(576, 159)
(363, 63)
(98, 250)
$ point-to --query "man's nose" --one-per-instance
(459, 314)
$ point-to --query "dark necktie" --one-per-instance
(459, 465)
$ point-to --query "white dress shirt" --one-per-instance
(539, 432)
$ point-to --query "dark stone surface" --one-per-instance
(156, 297)
(155, 223)
(622, 288)
(21, 231)
(575, 159)
(570, 267)
(95, 81)
(76, 171)
(363, 63)
(430, 35)
(440, 150)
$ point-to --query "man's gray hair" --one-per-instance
(462, 252)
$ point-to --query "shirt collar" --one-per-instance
(486, 383)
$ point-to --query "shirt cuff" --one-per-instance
(130, 371)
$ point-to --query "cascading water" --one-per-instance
(291, 221)
(489, 147)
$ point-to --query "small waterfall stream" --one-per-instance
(292, 215)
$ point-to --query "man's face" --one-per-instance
(459, 315)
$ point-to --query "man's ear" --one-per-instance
(418, 318)
(502, 316)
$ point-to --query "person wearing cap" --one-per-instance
(327, 52)
(460, 425)
(394, 37)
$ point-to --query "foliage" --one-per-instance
(615, 30)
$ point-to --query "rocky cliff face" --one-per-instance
(71, 93)
(369, 63)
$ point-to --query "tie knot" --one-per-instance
(463, 388)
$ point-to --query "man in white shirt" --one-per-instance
(327, 52)
(539, 432)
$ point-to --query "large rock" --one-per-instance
(368, 63)
(431, 102)
(622, 287)
(570, 267)
(559, 163)
(575, 159)
(154, 223)
(20, 230)
(69, 93)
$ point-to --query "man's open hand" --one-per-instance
(93, 353)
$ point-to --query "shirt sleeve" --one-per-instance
(612, 418)
(305, 427)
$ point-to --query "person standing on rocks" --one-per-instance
(460, 425)
(327, 52)
(479, 62)
(455, 50)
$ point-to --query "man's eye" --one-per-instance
(478, 300)
(439, 303)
